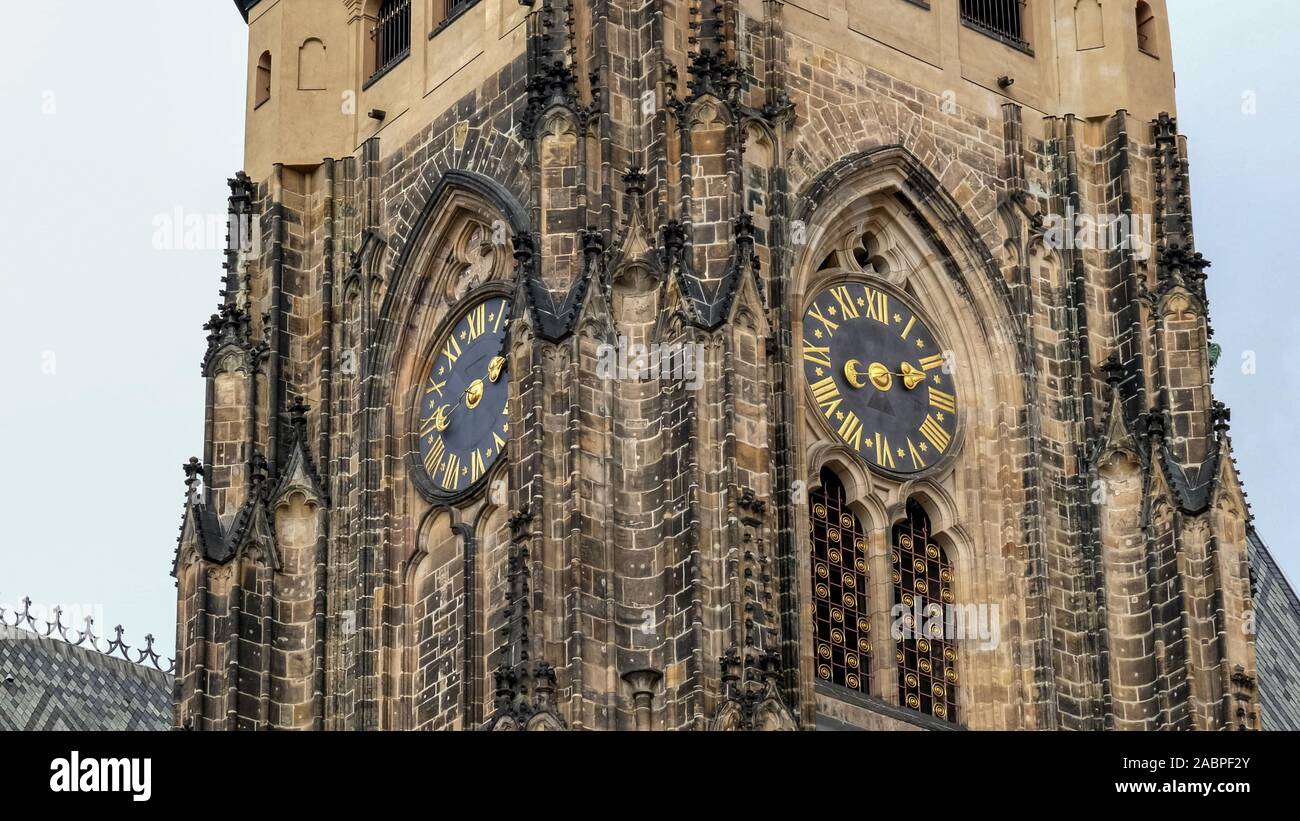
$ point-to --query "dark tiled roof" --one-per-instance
(244, 6)
(1277, 640)
(59, 686)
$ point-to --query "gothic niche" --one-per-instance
(1088, 25)
(560, 256)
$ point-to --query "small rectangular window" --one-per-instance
(391, 35)
(445, 11)
(1000, 19)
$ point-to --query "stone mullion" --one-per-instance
(884, 648)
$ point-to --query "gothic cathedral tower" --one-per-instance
(713, 365)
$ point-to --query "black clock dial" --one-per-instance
(878, 378)
(463, 416)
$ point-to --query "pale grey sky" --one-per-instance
(114, 120)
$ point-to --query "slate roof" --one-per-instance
(1277, 640)
(59, 686)
(244, 6)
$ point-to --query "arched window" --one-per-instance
(1146, 29)
(262, 80)
(922, 579)
(839, 567)
(391, 36)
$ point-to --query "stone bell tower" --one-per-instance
(631, 218)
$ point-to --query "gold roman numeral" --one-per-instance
(917, 461)
(933, 431)
(501, 315)
(451, 473)
(476, 467)
(499, 442)
(847, 309)
(816, 313)
(911, 323)
(817, 355)
(477, 320)
(452, 351)
(435, 387)
(851, 431)
(943, 401)
(884, 453)
(827, 395)
(434, 460)
(877, 305)
(929, 363)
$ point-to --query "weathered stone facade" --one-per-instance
(688, 176)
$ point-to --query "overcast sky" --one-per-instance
(115, 123)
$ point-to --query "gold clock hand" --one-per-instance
(912, 376)
(879, 376)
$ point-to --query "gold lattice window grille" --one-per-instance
(923, 583)
(839, 568)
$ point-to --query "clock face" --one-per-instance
(877, 377)
(463, 415)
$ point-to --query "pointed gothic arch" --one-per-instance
(882, 214)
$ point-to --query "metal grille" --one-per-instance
(922, 578)
(455, 6)
(839, 562)
(1003, 19)
(391, 34)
